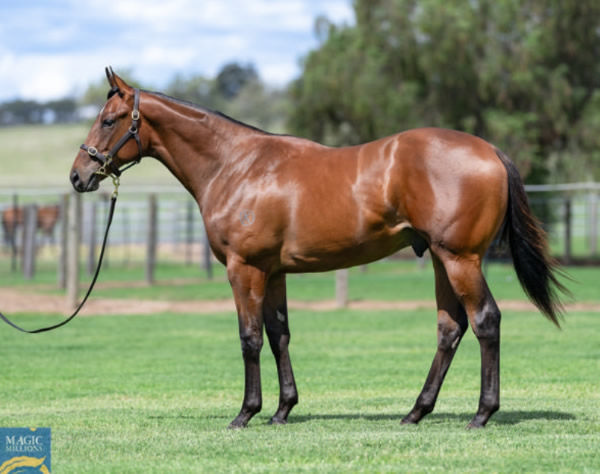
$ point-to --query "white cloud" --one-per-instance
(68, 47)
(280, 72)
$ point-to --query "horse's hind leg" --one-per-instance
(452, 324)
(276, 322)
(469, 285)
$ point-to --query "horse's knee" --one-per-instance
(450, 332)
(279, 343)
(448, 339)
(486, 323)
(252, 343)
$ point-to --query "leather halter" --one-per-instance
(109, 166)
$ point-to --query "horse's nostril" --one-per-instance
(76, 181)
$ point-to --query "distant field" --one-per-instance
(42, 155)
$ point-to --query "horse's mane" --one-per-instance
(206, 110)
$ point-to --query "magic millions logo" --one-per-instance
(24, 450)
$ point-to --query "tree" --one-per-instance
(196, 89)
(236, 91)
(522, 74)
(233, 77)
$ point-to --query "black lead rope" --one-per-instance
(111, 212)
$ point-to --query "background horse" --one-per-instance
(275, 204)
(12, 220)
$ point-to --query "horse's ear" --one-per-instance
(121, 84)
(110, 75)
(116, 83)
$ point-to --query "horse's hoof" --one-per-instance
(409, 420)
(237, 425)
(277, 421)
(475, 426)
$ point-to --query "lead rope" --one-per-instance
(111, 212)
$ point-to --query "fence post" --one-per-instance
(126, 233)
(91, 261)
(206, 256)
(13, 234)
(593, 223)
(568, 230)
(73, 243)
(341, 288)
(62, 251)
(151, 239)
(189, 233)
(29, 247)
(175, 240)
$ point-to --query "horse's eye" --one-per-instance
(108, 123)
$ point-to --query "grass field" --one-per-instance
(42, 155)
(155, 394)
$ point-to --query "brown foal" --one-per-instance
(277, 204)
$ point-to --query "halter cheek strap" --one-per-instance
(109, 167)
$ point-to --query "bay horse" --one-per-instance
(47, 217)
(276, 204)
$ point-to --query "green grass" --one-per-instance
(384, 280)
(39, 155)
(42, 155)
(155, 394)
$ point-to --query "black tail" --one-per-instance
(529, 249)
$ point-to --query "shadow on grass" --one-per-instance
(501, 418)
(188, 417)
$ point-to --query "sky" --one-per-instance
(52, 49)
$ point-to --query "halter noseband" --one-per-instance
(109, 167)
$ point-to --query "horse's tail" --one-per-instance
(537, 271)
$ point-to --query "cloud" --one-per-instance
(50, 49)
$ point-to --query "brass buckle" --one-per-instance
(135, 114)
(92, 151)
(116, 182)
(103, 170)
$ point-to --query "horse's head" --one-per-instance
(113, 140)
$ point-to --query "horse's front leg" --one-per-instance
(248, 285)
(276, 323)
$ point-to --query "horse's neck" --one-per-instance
(193, 144)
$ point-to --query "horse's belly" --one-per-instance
(325, 256)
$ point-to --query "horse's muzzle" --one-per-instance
(80, 185)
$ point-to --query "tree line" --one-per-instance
(236, 90)
(21, 112)
(523, 74)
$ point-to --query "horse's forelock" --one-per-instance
(113, 91)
